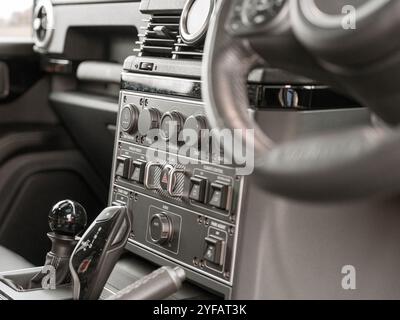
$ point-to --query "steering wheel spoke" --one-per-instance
(247, 18)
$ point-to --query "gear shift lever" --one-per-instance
(67, 219)
(98, 251)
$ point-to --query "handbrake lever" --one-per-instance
(158, 285)
(98, 251)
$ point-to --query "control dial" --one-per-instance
(194, 126)
(171, 125)
(129, 118)
(149, 119)
(161, 230)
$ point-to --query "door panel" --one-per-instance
(39, 162)
(21, 65)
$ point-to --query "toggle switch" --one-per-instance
(214, 250)
(219, 195)
(122, 167)
(198, 188)
(138, 169)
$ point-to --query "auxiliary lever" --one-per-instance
(67, 219)
(98, 251)
(158, 285)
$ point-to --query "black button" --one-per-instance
(147, 66)
(219, 195)
(122, 167)
(213, 250)
(137, 171)
(198, 188)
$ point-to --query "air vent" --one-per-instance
(186, 51)
(43, 23)
(159, 36)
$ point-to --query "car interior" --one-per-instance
(288, 188)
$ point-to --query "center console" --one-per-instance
(185, 206)
(185, 209)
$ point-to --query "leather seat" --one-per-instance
(12, 261)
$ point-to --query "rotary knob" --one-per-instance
(171, 125)
(129, 118)
(194, 125)
(149, 119)
(161, 230)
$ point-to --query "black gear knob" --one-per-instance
(67, 218)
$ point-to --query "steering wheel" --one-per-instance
(347, 47)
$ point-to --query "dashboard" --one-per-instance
(186, 204)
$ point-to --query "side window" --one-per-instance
(16, 18)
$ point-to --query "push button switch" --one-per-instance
(138, 169)
(198, 188)
(219, 195)
(147, 66)
(214, 250)
(164, 177)
(122, 167)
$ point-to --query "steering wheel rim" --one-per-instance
(330, 167)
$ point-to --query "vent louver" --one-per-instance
(186, 51)
(160, 38)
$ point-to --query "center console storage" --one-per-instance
(9, 291)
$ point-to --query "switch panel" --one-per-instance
(185, 206)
